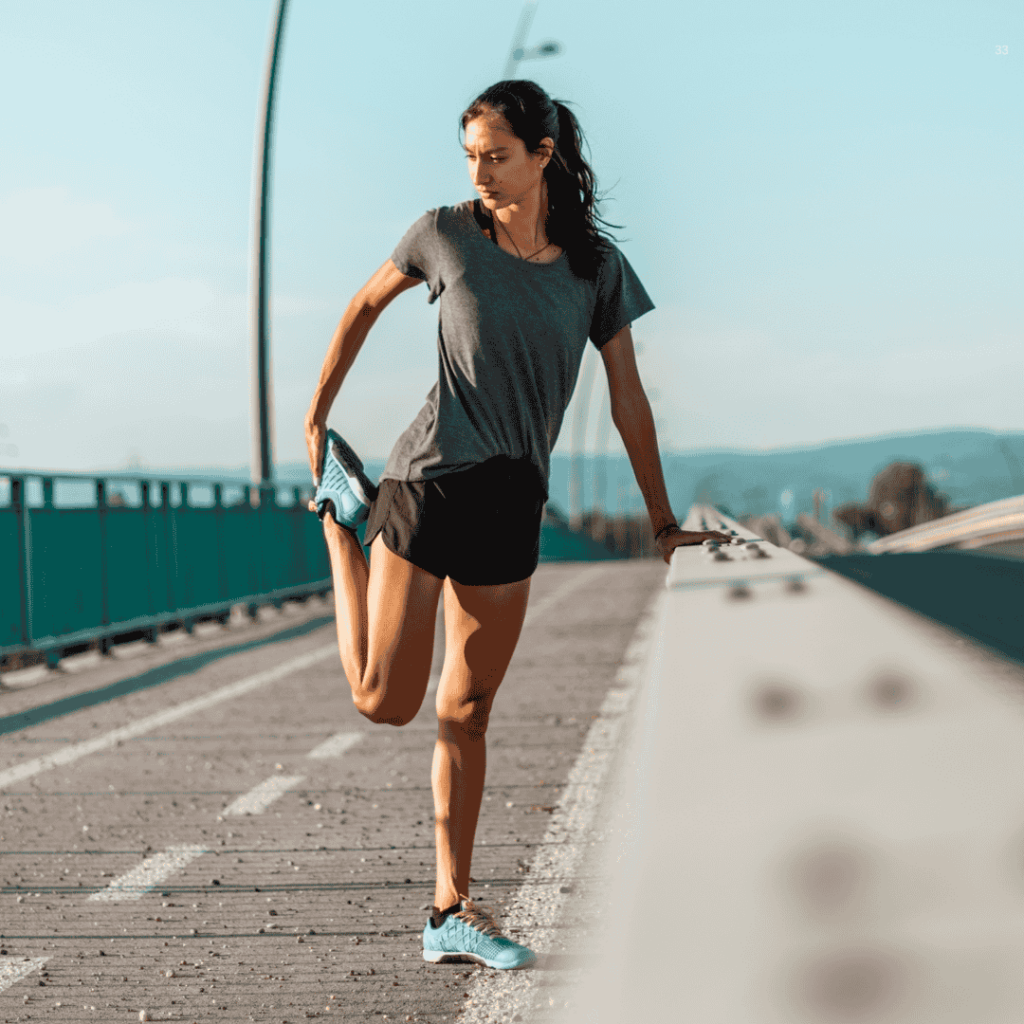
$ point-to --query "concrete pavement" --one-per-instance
(236, 843)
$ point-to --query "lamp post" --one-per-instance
(520, 51)
(262, 456)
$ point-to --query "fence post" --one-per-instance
(153, 633)
(181, 570)
(222, 565)
(299, 513)
(257, 500)
(101, 509)
(254, 493)
(165, 502)
(147, 534)
(19, 500)
(272, 555)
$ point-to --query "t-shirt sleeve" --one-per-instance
(621, 298)
(416, 255)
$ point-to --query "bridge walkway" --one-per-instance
(207, 830)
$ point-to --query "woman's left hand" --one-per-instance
(677, 538)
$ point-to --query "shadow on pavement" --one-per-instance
(152, 677)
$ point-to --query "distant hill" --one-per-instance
(969, 466)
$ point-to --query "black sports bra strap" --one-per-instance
(484, 219)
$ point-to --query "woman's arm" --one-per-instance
(631, 414)
(348, 339)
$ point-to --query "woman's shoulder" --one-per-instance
(608, 253)
(455, 218)
(446, 220)
(449, 214)
(618, 283)
(450, 224)
(442, 222)
(611, 261)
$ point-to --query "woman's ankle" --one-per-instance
(446, 898)
(441, 911)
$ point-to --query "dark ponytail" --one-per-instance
(572, 219)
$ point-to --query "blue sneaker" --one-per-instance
(472, 934)
(344, 484)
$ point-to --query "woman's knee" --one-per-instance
(379, 702)
(379, 712)
(468, 717)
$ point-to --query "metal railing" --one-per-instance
(86, 559)
(997, 522)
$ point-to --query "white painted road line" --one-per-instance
(25, 770)
(260, 797)
(537, 905)
(151, 872)
(13, 969)
(336, 745)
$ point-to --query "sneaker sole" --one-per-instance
(436, 956)
(351, 468)
(362, 486)
(355, 483)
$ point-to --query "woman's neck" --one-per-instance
(524, 221)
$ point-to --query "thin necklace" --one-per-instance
(494, 217)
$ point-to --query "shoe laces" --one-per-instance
(478, 917)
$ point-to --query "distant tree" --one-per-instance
(900, 497)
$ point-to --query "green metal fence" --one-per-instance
(86, 559)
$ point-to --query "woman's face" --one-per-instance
(501, 169)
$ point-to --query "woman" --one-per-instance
(524, 277)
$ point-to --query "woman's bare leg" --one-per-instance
(482, 626)
(349, 573)
(385, 615)
(385, 619)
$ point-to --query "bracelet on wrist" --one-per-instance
(665, 528)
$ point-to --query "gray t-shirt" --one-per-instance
(511, 336)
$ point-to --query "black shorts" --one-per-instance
(480, 526)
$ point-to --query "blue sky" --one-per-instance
(824, 201)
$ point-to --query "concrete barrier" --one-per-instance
(819, 816)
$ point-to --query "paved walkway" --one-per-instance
(236, 843)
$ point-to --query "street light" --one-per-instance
(262, 461)
(520, 51)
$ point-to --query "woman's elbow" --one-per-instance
(631, 411)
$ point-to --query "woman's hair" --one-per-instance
(532, 115)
